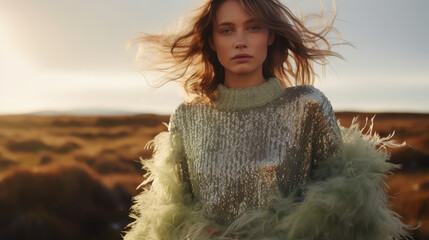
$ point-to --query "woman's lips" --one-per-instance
(242, 58)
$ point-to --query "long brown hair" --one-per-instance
(186, 56)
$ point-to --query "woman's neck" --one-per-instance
(233, 80)
(244, 98)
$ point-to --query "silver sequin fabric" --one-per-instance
(235, 157)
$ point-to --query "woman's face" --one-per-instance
(239, 41)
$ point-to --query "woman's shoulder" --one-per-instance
(183, 111)
(184, 107)
(178, 111)
(307, 92)
(310, 95)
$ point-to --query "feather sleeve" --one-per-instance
(349, 202)
(165, 205)
(346, 197)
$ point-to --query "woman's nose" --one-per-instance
(240, 45)
(241, 41)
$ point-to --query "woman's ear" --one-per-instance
(211, 43)
(271, 38)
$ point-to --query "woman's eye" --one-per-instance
(225, 31)
(253, 28)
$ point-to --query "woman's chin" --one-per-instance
(242, 70)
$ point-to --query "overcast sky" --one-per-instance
(60, 55)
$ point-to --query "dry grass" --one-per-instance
(70, 177)
(66, 177)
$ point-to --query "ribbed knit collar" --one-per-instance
(242, 98)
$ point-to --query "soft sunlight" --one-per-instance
(19, 84)
(45, 60)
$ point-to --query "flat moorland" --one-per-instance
(69, 177)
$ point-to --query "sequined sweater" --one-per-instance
(265, 162)
(252, 143)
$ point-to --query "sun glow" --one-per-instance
(16, 76)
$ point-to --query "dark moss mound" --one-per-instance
(64, 203)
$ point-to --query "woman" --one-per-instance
(249, 158)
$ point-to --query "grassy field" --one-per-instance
(67, 177)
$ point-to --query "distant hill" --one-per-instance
(82, 112)
(118, 112)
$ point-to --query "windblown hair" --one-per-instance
(186, 56)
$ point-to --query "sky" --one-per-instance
(64, 55)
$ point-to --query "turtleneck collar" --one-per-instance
(242, 98)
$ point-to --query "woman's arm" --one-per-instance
(326, 139)
(346, 198)
(163, 206)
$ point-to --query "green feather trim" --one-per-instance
(346, 199)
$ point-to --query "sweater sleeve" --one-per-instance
(348, 201)
(346, 198)
(178, 158)
(166, 198)
(326, 139)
